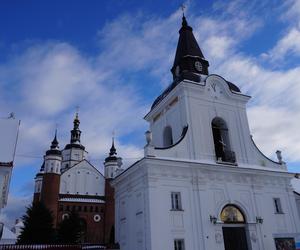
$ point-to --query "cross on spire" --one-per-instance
(183, 7)
(77, 111)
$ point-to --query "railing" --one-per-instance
(50, 247)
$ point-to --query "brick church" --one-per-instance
(67, 182)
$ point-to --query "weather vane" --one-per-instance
(182, 6)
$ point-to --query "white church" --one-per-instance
(202, 183)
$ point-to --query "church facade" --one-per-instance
(67, 182)
(203, 184)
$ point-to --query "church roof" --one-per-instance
(187, 44)
(231, 86)
(79, 164)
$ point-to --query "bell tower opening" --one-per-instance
(168, 136)
(221, 141)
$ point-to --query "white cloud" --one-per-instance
(15, 209)
(287, 46)
(49, 79)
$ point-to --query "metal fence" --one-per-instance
(50, 247)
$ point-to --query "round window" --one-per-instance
(97, 217)
(65, 216)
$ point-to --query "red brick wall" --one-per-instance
(109, 210)
(50, 192)
(36, 197)
(95, 230)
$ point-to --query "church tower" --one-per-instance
(202, 183)
(51, 178)
(38, 182)
(74, 152)
(204, 112)
(112, 163)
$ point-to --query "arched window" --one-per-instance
(221, 141)
(231, 214)
(168, 136)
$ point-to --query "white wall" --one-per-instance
(82, 179)
(205, 190)
(197, 106)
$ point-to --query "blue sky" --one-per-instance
(112, 58)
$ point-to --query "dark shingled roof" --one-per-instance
(187, 44)
(233, 87)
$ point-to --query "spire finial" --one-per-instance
(182, 6)
(77, 112)
(113, 138)
(113, 150)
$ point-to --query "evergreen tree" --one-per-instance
(70, 230)
(38, 226)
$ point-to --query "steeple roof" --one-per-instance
(54, 144)
(54, 148)
(112, 153)
(187, 44)
(75, 135)
(189, 60)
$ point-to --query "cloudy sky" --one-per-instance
(112, 58)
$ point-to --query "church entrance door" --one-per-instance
(234, 229)
(235, 238)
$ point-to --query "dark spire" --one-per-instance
(112, 153)
(54, 144)
(42, 167)
(113, 150)
(54, 148)
(75, 132)
(189, 59)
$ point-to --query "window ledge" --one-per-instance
(178, 210)
(279, 213)
(226, 163)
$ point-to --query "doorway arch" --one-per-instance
(234, 228)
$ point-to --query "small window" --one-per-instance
(176, 201)
(85, 209)
(277, 205)
(168, 136)
(96, 209)
(91, 209)
(179, 244)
